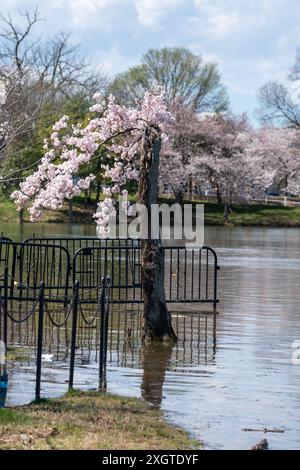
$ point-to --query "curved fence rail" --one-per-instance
(29, 264)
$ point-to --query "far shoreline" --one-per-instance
(253, 215)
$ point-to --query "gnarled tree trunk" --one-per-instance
(157, 319)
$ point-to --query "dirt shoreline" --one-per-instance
(90, 420)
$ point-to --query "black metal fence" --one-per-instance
(190, 275)
(29, 264)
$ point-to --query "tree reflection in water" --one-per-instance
(155, 361)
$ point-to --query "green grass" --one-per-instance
(90, 420)
(254, 215)
(10, 417)
(248, 215)
(8, 211)
(82, 213)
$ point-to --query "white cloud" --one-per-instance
(214, 19)
(219, 18)
(223, 24)
(150, 12)
(90, 12)
(87, 12)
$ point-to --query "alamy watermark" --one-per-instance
(163, 221)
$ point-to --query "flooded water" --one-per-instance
(227, 373)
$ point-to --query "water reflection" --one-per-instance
(155, 361)
(196, 333)
(196, 346)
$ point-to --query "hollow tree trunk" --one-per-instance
(157, 319)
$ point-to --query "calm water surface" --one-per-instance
(225, 374)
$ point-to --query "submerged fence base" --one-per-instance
(101, 316)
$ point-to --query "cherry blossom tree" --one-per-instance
(178, 150)
(132, 136)
(215, 161)
(240, 163)
(224, 152)
(276, 152)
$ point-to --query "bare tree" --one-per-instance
(55, 65)
(295, 73)
(37, 77)
(279, 104)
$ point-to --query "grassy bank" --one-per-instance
(81, 213)
(254, 215)
(251, 215)
(89, 420)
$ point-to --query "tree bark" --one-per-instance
(179, 198)
(219, 196)
(70, 211)
(98, 191)
(157, 319)
(21, 216)
(227, 210)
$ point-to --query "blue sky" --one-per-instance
(253, 41)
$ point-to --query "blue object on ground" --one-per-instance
(3, 389)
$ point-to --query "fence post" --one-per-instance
(74, 332)
(101, 349)
(217, 268)
(106, 316)
(5, 306)
(104, 304)
(40, 342)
